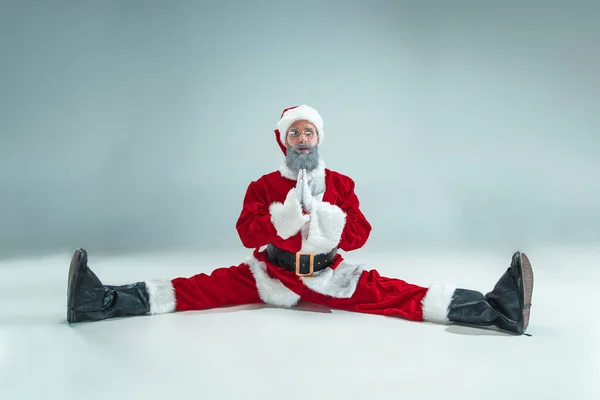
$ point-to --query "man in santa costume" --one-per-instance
(296, 219)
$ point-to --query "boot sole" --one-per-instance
(76, 270)
(527, 272)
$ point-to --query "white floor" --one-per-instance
(308, 353)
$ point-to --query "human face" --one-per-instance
(302, 132)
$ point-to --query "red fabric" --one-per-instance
(374, 294)
(223, 287)
(235, 285)
(380, 295)
(278, 138)
(278, 134)
(286, 110)
(254, 224)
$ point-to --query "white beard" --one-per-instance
(297, 161)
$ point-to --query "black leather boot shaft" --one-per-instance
(503, 307)
(115, 301)
(90, 300)
(507, 299)
(471, 307)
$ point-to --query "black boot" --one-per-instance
(507, 306)
(89, 300)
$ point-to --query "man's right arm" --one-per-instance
(260, 221)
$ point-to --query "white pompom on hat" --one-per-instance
(297, 113)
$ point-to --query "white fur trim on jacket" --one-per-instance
(436, 303)
(162, 296)
(327, 223)
(315, 177)
(270, 290)
(340, 282)
(302, 112)
(287, 218)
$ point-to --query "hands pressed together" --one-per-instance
(294, 213)
(320, 223)
(303, 191)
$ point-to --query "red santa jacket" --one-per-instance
(271, 213)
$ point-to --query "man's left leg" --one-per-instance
(367, 292)
(506, 307)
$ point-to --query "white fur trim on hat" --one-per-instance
(296, 114)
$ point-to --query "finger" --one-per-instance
(306, 187)
(300, 187)
(306, 195)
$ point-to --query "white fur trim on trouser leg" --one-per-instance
(339, 282)
(162, 296)
(436, 303)
(271, 290)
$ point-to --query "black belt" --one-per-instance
(298, 262)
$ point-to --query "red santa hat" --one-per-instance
(297, 113)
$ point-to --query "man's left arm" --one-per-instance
(341, 225)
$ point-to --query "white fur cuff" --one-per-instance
(287, 218)
(340, 282)
(326, 227)
(162, 296)
(271, 290)
(436, 303)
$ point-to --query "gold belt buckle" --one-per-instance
(312, 263)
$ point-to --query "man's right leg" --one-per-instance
(230, 286)
(88, 299)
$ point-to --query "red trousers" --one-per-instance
(344, 286)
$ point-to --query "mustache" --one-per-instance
(303, 147)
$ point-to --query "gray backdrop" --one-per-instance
(137, 125)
